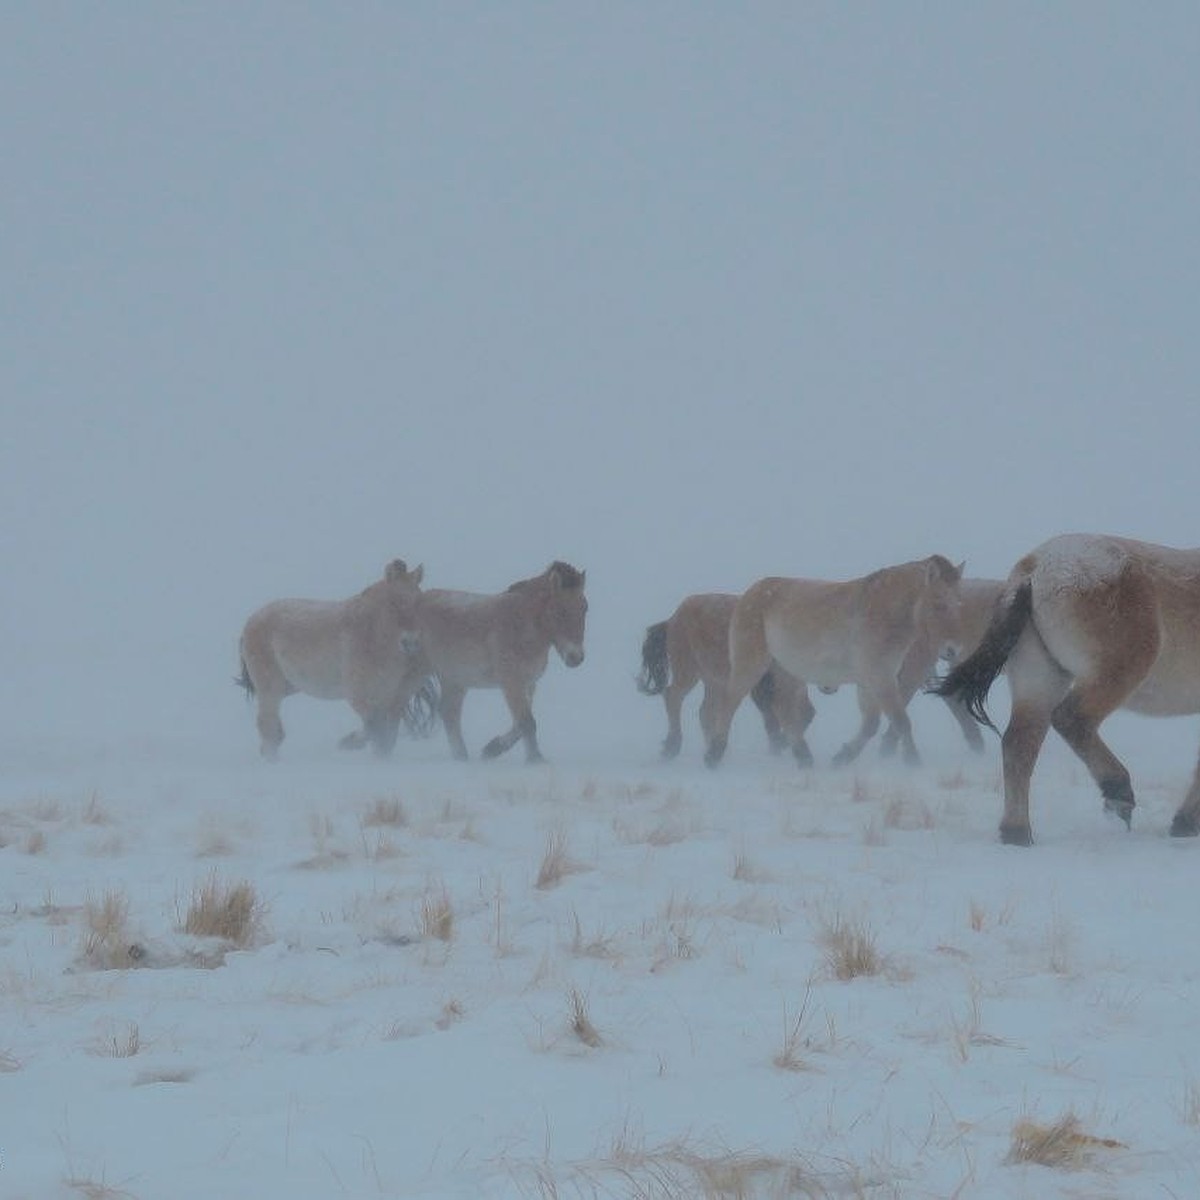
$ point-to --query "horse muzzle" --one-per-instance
(571, 655)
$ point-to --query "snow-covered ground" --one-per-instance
(603, 977)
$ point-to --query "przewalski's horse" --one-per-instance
(692, 646)
(1087, 624)
(828, 634)
(502, 641)
(979, 598)
(364, 650)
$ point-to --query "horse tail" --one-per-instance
(421, 712)
(970, 681)
(656, 666)
(244, 681)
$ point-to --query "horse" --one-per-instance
(1087, 624)
(692, 646)
(501, 641)
(978, 598)
(365, 650)
(829, 633)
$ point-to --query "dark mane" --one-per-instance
(568, 576)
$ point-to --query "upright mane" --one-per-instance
(568, 577)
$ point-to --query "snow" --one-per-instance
(350, 1050)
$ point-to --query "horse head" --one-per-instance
(566, 611)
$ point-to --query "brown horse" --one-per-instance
(364, 650)
(859, 631)
(502, 641)
(692, 646)
(1087, 624)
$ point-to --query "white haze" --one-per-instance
(681, 294)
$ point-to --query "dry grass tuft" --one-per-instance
(794, 1039)
(902, 812)
(557, 864)
(93, 812)
(437, 914)
(35, 842)
(850, 949)
(8, 1062)
(388, 811)
(954, 782)
(96, 1189)
(745, 871)
(1062, 1144)
(452, 1012)
(860, 793)
(232, 912)
(679, 1170)
(1191, 1104)
(580, 1022)
(107, 945)
(119, 1045)
(597, 946)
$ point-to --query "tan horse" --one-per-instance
(692, 646)
(979, 598)
(1087, 624)
(364, 650)
(829, 634)
(502, 641)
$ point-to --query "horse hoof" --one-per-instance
(1185, 826)
(352, 741)
(843, 758)
(1122, 809)
(712, 758)
(1018, 835)
(670, 750)
(493, 749)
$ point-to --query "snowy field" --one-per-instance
(587, 979)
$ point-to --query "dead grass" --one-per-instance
(386, 811)
(598, 945)
(903, 812)
(680, 1170)
(107, 944)
(789, 1057)
(1191, 1104)
(1062, 1145)
(8, 1062)
(953, 782)
(35, 842)
(126, 1044)
(580, 1023)
(232, 912)
(96, 1189)
(437, 914)
(745, 871)
(557, 864)
(849, 948)
(94, 813)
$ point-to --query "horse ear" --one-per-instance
(418, 573)
(396, 569)
(555, 577)
(962, 566)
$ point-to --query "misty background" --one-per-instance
(682, 294)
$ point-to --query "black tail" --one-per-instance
(421, 713)
(244, 681)
(656, 668)
(970, 681)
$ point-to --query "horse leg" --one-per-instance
(1037, 684)
(270, 727)
(1187, 816)
(764, 694)
(800, 714)
(966, 722)
(1076, 718)
(518, 697)
(749, 661)
(869, 707)
(450, 707)
(674, 694)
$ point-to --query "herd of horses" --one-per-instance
(1084, 624)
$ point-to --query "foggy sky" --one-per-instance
(682, 294)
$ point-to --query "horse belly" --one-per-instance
(821, 659)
